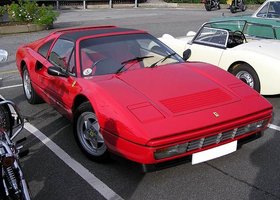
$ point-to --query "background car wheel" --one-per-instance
(29, 92)
(243, 7)
(248, 75)
(232, 9)
(87, 133)
(207, 5)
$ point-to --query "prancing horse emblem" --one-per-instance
(216, 114)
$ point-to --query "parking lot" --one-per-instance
(56, 169)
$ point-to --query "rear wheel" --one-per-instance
(248, 75)
(232, 9)
(29, 92)
(233, 6)
(243, 7)
(207, 5)
(87, 133)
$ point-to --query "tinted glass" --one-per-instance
(107, 55)
(274, 10)
(263, 11)
(61, 53)
(44, 49)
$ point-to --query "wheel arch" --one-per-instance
(235, 64)
(79, 99)
(257, 76)
(22, 64)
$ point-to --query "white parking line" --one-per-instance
(98, 185)
(12, 86)
(92, 180)
(272, 126)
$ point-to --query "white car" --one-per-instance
(269, 9)
(254, 61)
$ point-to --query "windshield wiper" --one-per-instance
(163, 59)
(138, 59)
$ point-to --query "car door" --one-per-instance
(204, 53)
(41, 77)
(61, 89)
(209, 45)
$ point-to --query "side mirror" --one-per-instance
(3, 55)
(187, 54)
(57, 71)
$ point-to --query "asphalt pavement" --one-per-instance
(56, 168)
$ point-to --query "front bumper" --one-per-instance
(147, 154)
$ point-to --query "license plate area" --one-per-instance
(213, 153)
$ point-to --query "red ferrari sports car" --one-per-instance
(129, 94)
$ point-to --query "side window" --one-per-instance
(71, 65)
(263, 11)
(61, 53)
(274, 10)
(43, 50)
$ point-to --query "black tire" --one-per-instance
(248, 75)
(232, 9)
(5, 119)
(88, 137)
(207, 5)
(243, 7)
(30, 94)
(2, 189)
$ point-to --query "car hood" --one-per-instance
(269, 48)
(148, 104)
(165, 86)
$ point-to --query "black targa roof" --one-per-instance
(75, 34)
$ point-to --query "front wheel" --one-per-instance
(88, 135)
(248, 75)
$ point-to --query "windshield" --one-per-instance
(115, 54)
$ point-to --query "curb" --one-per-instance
(22, 28)
(149, 5)
(10, 29)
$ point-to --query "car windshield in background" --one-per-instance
(115, 54)
(212, 37)
(248, 28)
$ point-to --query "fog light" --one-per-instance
(171, 151)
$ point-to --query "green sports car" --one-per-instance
(264, 23)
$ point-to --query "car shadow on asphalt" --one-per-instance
(266, 158)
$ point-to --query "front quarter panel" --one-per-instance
(110, 100)
(266, 67)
